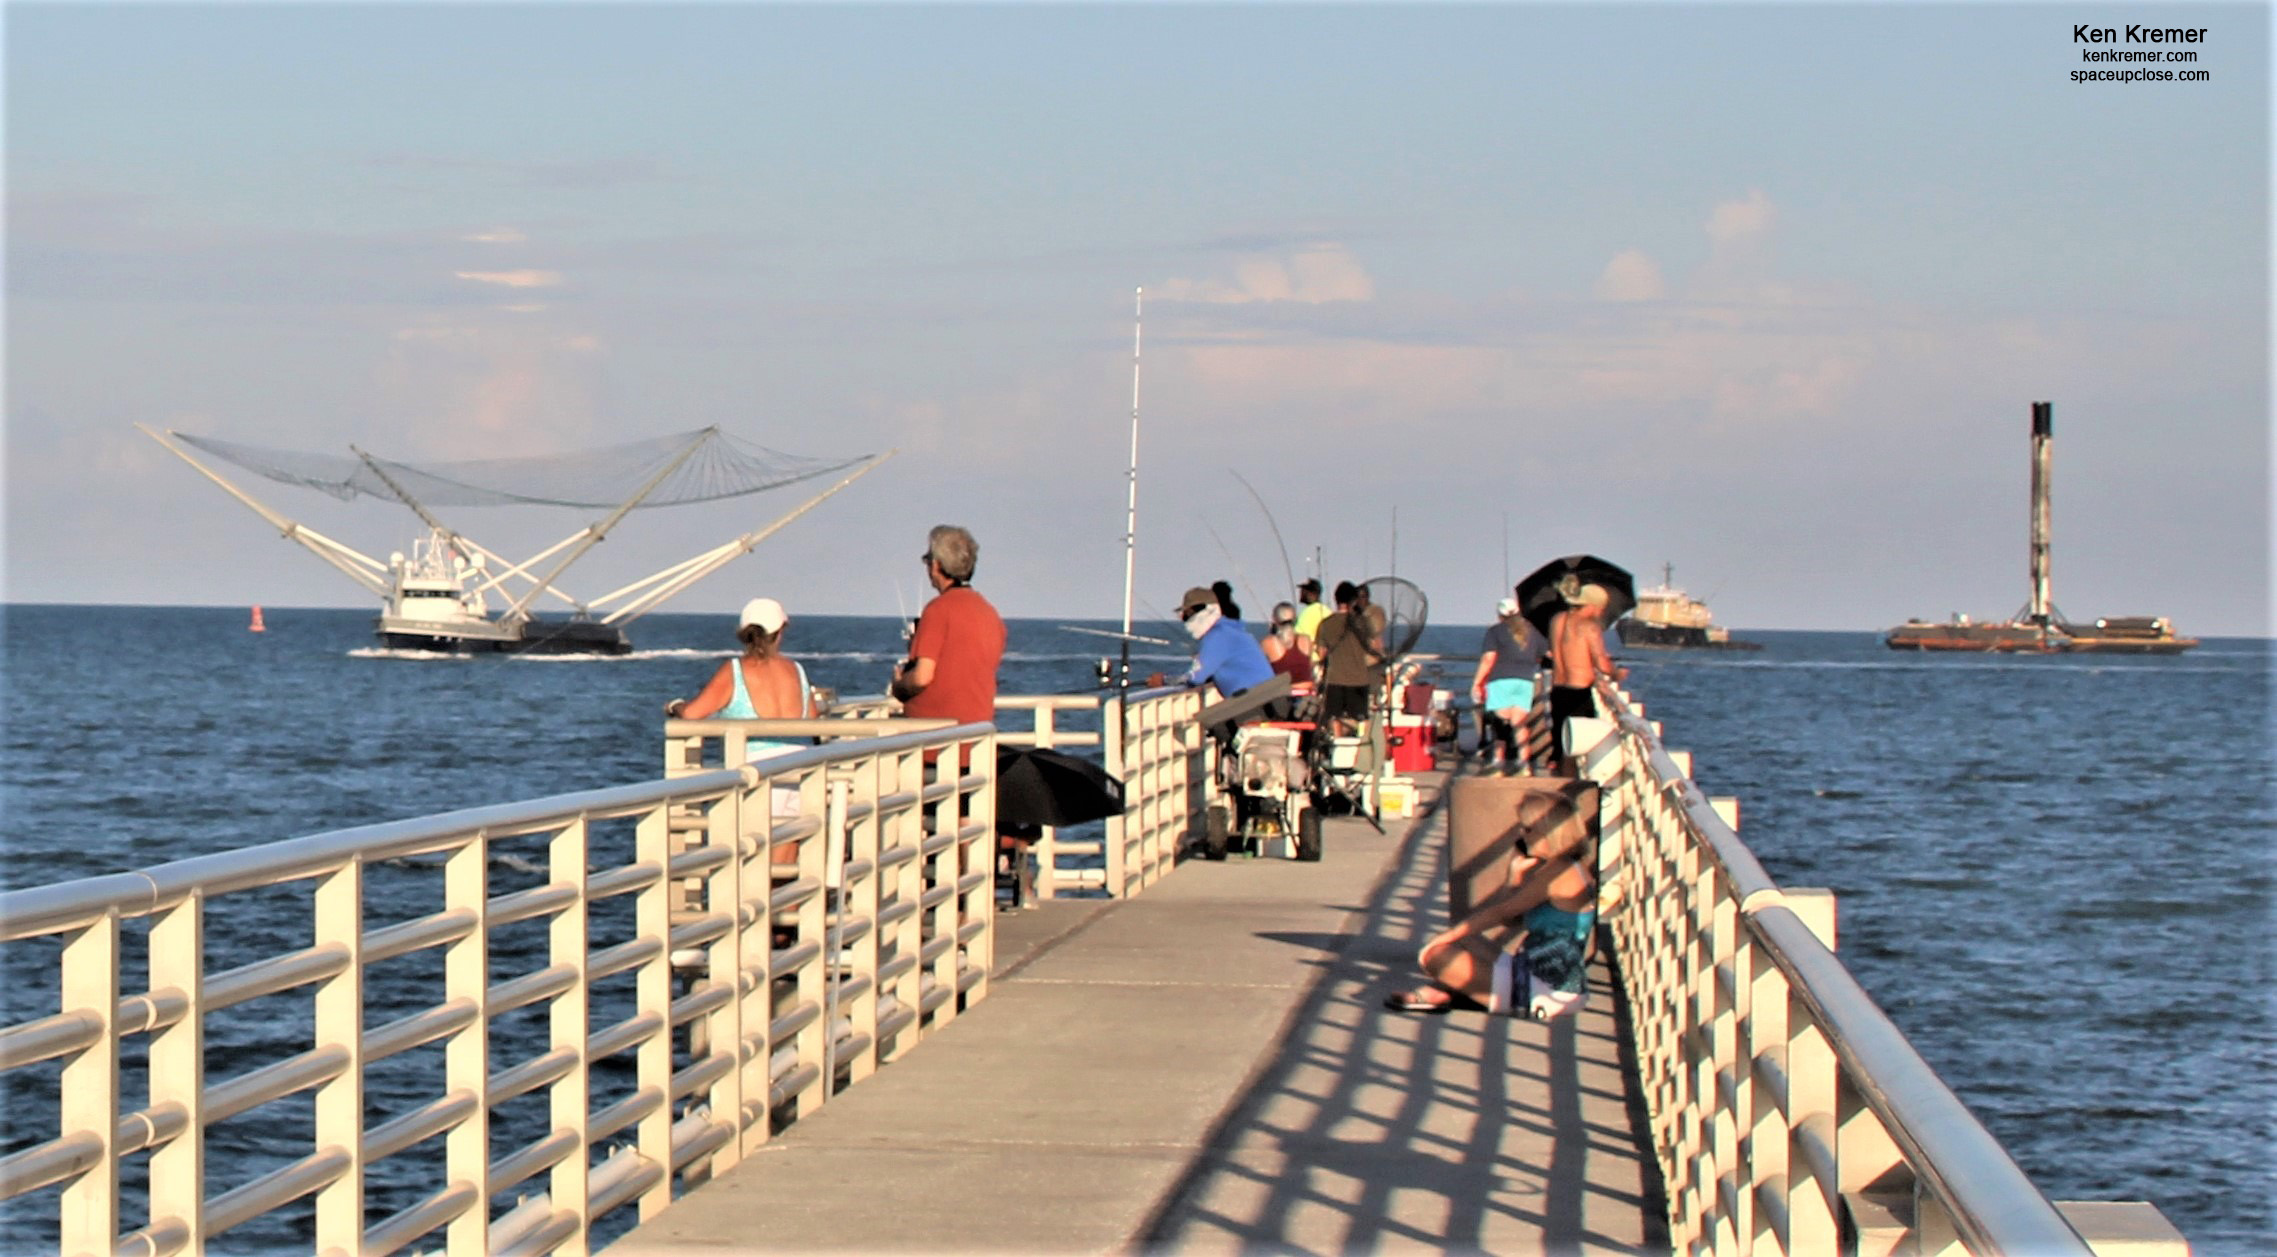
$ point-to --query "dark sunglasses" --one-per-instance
(926, 558)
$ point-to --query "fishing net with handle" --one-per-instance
(1404, 608)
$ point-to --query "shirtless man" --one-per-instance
(1577, 659)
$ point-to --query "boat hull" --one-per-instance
(535, 637)
(2030, 639)
(1674, 637)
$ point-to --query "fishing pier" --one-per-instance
(773, 1007)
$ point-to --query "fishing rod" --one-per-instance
(1125, 638)
(1130, 526)
(1287, 573)
(1238, 574)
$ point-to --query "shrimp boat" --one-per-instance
(439, 596)
(1667, 618)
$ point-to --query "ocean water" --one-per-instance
(2055, 874)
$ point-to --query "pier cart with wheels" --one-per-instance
(1264, 767)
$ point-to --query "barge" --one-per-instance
(2039, 628)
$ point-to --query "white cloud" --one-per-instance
(1313, 275)
(497, 235)
(1736, 222)
(514, 279)
(1631, 276)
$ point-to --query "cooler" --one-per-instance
(1411, 740)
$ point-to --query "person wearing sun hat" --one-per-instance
(1577, 660)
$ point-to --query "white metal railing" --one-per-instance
(566, 1062)
(1789, 1115)
(1147, 739)
(1162, 757)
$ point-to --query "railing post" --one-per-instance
(1720, 1085)
(980, 857)
(909, 878)
(90, 1207)
(339, 920)
(1767, 1121)
(177, 1069)
(725, 1027)
(1114, 742)
(466, 1053)
(1814, 1195)
(1046, 851)
(821, 857)
(568, 1025)
(652, 1000)
(858, 901)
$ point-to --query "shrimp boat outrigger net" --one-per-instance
(440, 596)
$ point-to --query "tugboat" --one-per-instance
(2038, 627)
(1667, 618)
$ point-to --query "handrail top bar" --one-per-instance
(1058, 702)
(64, 905)
(713, 726)
(1995, 1206)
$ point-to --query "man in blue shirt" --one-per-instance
(1225, 656)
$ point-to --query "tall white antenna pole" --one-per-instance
(1130, 526)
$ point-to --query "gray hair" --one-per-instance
(954, 550)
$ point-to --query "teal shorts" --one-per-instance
(1507, 693)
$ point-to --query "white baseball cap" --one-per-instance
(767, 613)
(1508, 606)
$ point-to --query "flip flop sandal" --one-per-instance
(1431, 1002)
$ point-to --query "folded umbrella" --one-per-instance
(1039, 787)
(1552, 587)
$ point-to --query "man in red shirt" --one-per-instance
(951, 669)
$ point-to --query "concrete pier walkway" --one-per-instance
(1207, 1067)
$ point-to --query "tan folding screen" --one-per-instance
(1484, 824)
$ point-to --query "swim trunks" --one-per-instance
(1504, 693)
(1344, 701)
(1568, 702)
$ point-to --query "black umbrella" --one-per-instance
(1552, 587)
(1039, 787)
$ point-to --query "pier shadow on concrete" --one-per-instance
(1366, 1129)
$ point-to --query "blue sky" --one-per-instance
(1762, 291)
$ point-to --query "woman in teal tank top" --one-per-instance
(761, 684)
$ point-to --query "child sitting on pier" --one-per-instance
(1551, 898)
